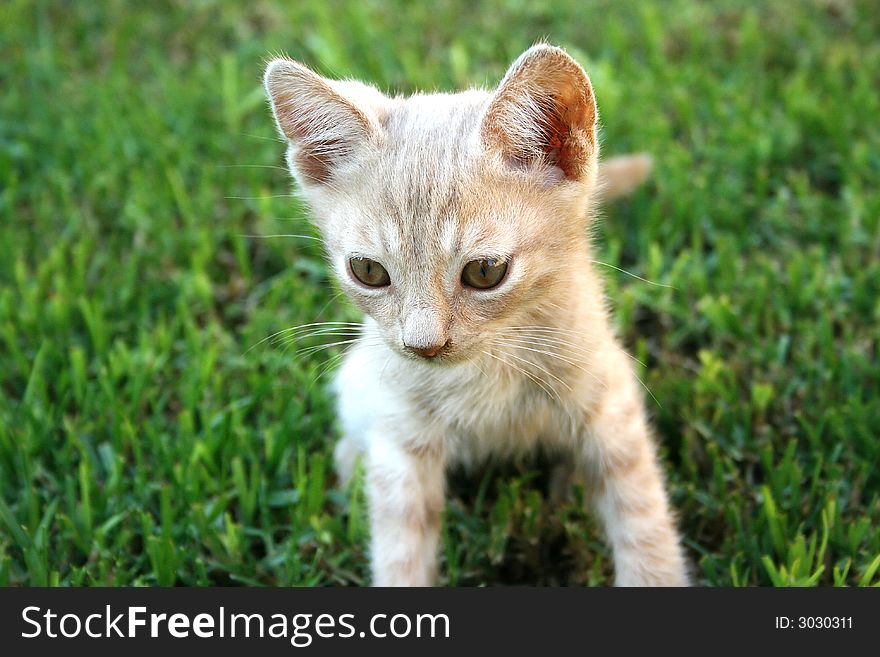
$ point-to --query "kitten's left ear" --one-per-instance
(544, 112)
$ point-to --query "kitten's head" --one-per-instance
(447, 217)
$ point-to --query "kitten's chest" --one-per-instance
(488, 411)
(477, 409)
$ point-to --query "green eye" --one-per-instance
(369, 272)
(483, 274)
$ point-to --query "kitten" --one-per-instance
(458, 224)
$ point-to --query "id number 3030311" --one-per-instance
(814, 623)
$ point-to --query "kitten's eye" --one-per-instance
(483, 274)
(369, 272)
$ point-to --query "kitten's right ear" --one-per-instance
(324, 120)
(544, 113)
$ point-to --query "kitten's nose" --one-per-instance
(428, 352)
(423, 331)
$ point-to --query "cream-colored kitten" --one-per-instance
(458, 223)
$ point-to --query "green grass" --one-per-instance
(141, 442)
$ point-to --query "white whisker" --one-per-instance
(309, 351)
(542, 369)
(299, 340)
(251, 166)
(329, 365)
(629, 273)
(546, 335)
(305, 237)
(263, 137)
(385, 366)
(259, 198)
(550, 339)
(298, 328)
(320, 330)
(543, 385)
(519, 345)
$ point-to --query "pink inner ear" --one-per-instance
(569, 135)
(563, 140)
(544, 113)
(316, 153)
(315, 160)
(323, 126)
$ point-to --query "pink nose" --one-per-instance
(430, 351)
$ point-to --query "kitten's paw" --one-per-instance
(674, 580)
(670, 574)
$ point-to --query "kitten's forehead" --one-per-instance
(428, 152)
(442, 121)
(424, 182)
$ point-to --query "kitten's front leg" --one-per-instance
(405, 489)
(620, 460)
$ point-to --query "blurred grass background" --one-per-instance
(142, 443)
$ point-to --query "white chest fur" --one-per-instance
(475, 409)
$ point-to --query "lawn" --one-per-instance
(148, 436)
